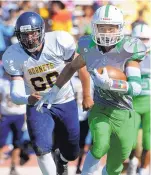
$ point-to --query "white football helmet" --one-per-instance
(141, 31)
(107, 14)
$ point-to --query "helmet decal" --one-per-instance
(25, 28)
(107, 11)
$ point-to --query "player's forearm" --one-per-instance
(17, 93)
(85, 81)
(65, 75)
(69, 70)
(133, 84)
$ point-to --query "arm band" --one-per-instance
(130, 87)
(119, 86)
(127, 88)
(18, 94)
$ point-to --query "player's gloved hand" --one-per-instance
(48, 98)
(102, 80)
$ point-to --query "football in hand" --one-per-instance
(114, 73)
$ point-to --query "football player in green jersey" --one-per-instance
(112, 118)
(142, 104)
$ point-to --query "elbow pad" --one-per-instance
(17, 93)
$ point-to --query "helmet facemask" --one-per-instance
(107, 38)
(30, 39)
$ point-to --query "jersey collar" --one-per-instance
(92, 44)
(119, 45)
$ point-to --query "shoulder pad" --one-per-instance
(85, 43)
(62, 44)
(136, 47)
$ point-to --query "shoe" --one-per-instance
(132, 167)
(13, 171)
(62, 167)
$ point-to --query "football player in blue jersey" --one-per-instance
(34, 65)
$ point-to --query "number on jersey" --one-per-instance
(51, 79)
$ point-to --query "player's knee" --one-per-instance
(72, 157)
(98, 150)
(17, 144)
(114, 169)
(71, 153)
(39, 151)
(96, 153)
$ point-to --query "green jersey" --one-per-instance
(126, 50)
(146, 75)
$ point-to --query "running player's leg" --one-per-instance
(67, 130)
(67, 134)
(40, 127)
(16, 127)
(101, 131)
(84, 128)
(146, 142)
(137, 127)
(142, 106)
(121, 141)
(146, 131)
(135, 156)
(4, 131)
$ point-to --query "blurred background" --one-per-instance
(73, 16)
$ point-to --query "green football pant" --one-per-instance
(137, 124)
(142, 107)
(112, 133)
